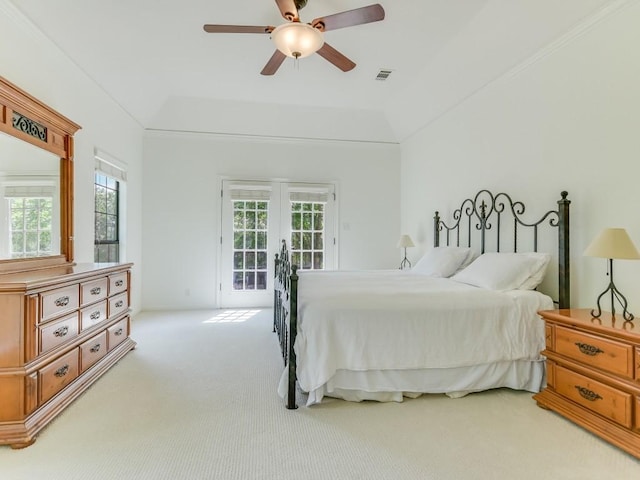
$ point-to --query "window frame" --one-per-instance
(113, 254)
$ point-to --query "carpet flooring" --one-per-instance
(197, 400)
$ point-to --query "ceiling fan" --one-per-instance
(297, 40)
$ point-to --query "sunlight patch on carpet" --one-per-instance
(232, 316)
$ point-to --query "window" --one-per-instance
(250, 222)
(309, 210)
(107, 200)
(307, 235)
(29, 214)
(30, 226)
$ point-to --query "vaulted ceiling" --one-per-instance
(154, 59)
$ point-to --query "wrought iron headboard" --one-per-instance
(485, 210)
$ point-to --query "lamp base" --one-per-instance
(615, 295)
(405, 262)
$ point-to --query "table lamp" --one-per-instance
(404, 242)
(613, 243)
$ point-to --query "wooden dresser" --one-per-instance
(60, 330)
(593, 374)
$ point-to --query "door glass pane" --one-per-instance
(250, 223)
(307, 235)
(238, 261)
(261, 240)
(261, 261)
(250, 281)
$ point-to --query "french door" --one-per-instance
(256, 216)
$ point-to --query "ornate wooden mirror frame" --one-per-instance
(26, 118)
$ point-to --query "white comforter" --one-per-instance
(379, 320)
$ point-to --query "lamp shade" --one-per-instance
(613, 243)
(297, 40)
(405, 241)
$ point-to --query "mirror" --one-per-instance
(36, 183)
(29, 200)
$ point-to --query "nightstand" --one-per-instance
(593, 374)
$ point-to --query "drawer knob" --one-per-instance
(589, 349)
(62, 301)
(95, 291)
(588, 394)
(62, 371)
(95, 315)
(119, 283)
(118, 332)
(119, 303)
(61, 332)
(95, 348)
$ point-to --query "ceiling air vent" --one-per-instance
(383, 75)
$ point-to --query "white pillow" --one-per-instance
(506, 271)
(443, 261)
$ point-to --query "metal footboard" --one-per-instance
(285, 316)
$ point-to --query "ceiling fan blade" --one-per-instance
(332, 55)
(288, 10)
(358, 16)
(237, 29)
(274, 63)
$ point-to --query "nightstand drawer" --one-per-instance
(607, 401)
(598, 352)
(637, 364)
(548, 337)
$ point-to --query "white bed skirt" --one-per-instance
(394, 385)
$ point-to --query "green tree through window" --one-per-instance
(307, 235)
(250, 228)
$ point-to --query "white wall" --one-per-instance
(181, 206)
(34, 64)
(568, 121)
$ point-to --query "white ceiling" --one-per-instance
(155, 60)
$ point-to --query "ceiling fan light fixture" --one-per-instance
(297, 40)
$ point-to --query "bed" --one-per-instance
(463, 320)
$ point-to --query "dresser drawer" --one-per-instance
(637, 425)
(118, 283)
(94, 291)
(57, 302)
(118, 333)
(93, 314)
(58, 332)
(118, 304)
(58, 374)
(637, 364)
(608, 355)
(607, 401)
(93, 350)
